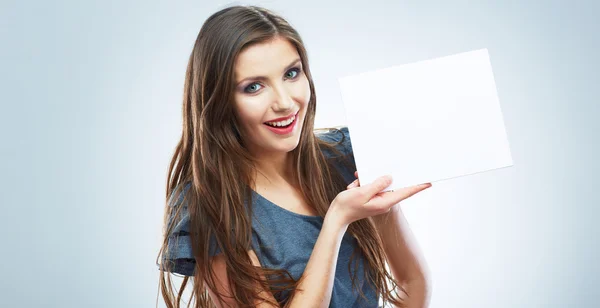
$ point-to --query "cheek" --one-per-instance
(303, 91)
(249, 111)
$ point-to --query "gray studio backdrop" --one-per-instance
(91, 105)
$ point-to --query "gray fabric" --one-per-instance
(285, 240)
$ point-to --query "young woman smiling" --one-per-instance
(262, 210)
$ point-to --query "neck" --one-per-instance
(274, 169)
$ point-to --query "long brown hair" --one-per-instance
(212, 157)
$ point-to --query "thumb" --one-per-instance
(353, 184)
(377, 186)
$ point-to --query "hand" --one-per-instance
(358, 202)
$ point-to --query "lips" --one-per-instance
(283, 118)
(284, 127)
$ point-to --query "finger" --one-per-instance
(416, 189)
(353, 184)
(386, 200)
(377, 186)
(408, 192)
(356, 176)
(380, 203)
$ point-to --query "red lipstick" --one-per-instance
(283, 130)
(283, 118)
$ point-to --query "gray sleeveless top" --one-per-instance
(283, 239)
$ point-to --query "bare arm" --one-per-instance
(404, 257)
(219, 266)
(353, 204)
(316, 284)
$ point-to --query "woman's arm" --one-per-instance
(316, 283)
(219, 267)
(404, 257)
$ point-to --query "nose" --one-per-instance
(283, 101)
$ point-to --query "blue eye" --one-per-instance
(255, 87)
(294, 70)
(249, 89)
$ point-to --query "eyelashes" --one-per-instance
(296, 70)
(253, 87)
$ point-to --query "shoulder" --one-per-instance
(338, 138)
(178, 257)
(179, 218)
(177, 197)
(337, 148)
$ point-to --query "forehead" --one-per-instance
(267, 58)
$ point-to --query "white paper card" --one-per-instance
(426, 121)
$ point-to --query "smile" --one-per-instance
(283, 126)
(282, 123)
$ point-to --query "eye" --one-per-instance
(293, 73)
(252, 88)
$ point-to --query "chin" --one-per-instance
(287, 145)
(292, 146)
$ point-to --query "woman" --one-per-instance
(262, 211)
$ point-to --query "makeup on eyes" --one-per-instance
(297, 69)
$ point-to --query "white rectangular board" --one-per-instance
(426, 121)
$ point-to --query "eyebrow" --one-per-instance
(265, 78)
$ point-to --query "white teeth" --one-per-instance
(282, 123)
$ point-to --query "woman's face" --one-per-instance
(271, 96)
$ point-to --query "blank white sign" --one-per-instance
(426, 121)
